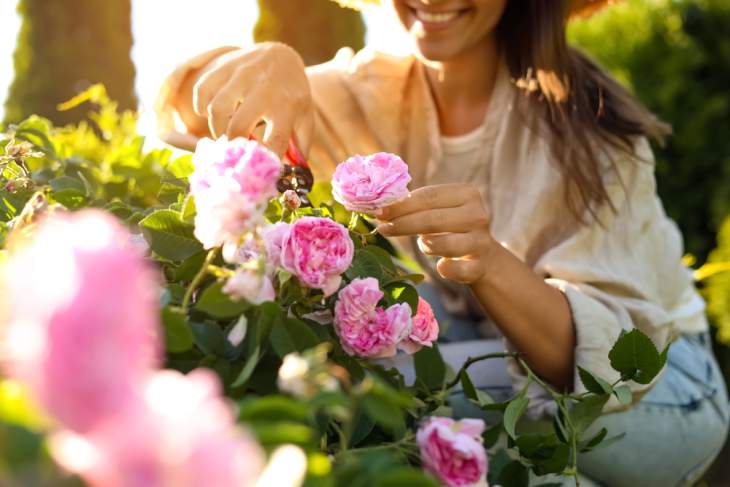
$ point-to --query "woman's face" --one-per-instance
(443, 29)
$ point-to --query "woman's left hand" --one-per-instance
(451, 222)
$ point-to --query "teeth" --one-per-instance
(436, 18)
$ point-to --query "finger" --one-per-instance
(208, 86)
(460, 270)
(441, 220)
(246, 118)
(429, 197)
(221, 110)
(303, 130)
(451, 244)
(278, 132)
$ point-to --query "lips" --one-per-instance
(436, 18)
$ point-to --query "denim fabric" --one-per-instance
(672, 435)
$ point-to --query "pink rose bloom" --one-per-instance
(366, 330)
(452, 451)
(317, 251)
(425, 329)
(223, 217)
(82, 327)
(251, 166)
(364, 184)
(181, 433)
(273, 236)
(232, 183)
(251, 286)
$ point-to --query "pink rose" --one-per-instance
(364, 184)
(317, 251)
(273, 236)
(425, 329)
(251, 286)
(365, 329)
(181, 433)
(452, 451)
(232, 183)
(82, 327)
(223, 217)
(252, 167)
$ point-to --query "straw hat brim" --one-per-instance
(579, 8)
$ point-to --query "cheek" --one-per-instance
(488, 14)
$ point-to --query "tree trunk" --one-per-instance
(63, 47)
(315, 28)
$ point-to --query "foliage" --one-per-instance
(717, 289)
(673, 54)
(359, 431)
(294, 22)
(65, 46)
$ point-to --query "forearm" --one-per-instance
(534, 316)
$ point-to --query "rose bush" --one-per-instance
(266, 313)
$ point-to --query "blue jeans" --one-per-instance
(672, 435)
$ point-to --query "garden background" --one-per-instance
(674, 54)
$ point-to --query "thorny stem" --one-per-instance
(198, 279)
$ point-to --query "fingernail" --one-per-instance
(377, 212)
(383, 228)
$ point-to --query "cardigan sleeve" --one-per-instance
(622, 273)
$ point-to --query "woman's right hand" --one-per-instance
(266, 82)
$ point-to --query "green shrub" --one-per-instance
(674, 55)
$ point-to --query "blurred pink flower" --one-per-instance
(365, 184)
(250, 285)
(232, 183)
(425, 329)
(317, 251)
(365, 329)
(82, 327)
(452, 450)
(182, 433)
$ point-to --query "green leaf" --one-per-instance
(430, 367)
(384, 412)
(491, 435)
(514, 474)
(405, 476)
(209, 338)
(608, 442)
(251, 363)
(169, 236)
(272, 408)
(478, 396)
(178, 335)
(292, 335)
(364, 264)
(402, 293)
(586, 412)
(593, 383)
(275, 434)
(593, 442)
(623, 394)
(218, 304)
(182, 167)
(635, 356)
(515, 409)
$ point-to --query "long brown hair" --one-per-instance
(587, 114)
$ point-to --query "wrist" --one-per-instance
(490, 262)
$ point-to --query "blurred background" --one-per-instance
(673, 54)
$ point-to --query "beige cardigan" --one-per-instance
(627, 273)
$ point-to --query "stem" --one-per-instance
(472, 360)
(198, 279)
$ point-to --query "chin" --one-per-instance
(435, 52)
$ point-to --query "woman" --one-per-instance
(534, 206)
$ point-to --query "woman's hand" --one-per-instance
(267, 82)
(451, 222)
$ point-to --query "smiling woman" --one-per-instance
(533, 205)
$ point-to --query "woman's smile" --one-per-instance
(429, 20)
